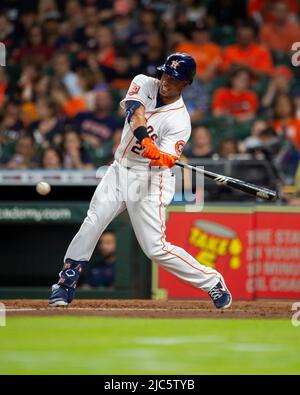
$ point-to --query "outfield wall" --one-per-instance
(34, 238)
(256, 248)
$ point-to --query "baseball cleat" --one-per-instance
(63, 292)
(60, 296)
(220, 295)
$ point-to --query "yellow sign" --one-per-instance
(215, 240)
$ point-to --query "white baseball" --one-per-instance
(43, 188)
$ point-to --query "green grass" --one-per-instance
(91, 345)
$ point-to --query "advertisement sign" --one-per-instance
(258, 253)
(273, 256)
(42, 212)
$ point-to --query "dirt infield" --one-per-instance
(264, 309)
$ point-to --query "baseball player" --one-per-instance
(156, 128)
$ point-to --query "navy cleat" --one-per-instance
(220, 295)
(62, 293)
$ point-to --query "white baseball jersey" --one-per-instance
(169, 126)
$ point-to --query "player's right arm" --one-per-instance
(134, 104)
(138, 125)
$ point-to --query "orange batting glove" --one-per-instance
(151, 150)
(165, 160)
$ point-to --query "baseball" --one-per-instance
(43, 188)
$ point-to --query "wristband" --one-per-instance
(140, 133)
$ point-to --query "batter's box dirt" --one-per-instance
(265, 309)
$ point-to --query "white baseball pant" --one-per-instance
(145, 195)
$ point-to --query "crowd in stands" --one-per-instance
(70, 63)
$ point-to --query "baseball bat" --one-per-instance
(234, 183)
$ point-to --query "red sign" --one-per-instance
(273, 256)
(258, 254)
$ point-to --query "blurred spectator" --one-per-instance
(177, 25)
(24, 156)
(247, 52)
(201, 143)
(28, 17)
(106, 12)
(297, 105)
(47, 9)
(206, 53)
(253, 141)
(62, 69)
(87, 81)
(75, 156)
(48, 128)
(71, 61)
(147, 24)
(65, 40)
(11, 125)
(154, 55)
(33, 87)
(70, 105)
(285, 123)
(7, 33)
(267, 135)
(51, 26)
(280, 83)
(99, 125)
(28, 79)
(228, 147)
(195, 10)
(281, 33)
(11, 129)
(226, 12)
(73, 11)
(260, 142)
(42, 87)
(120, 75)
(123, 24)
(51, 159)
(262, 10)
(3, 86)
(106, 46)
(196, 98)
(102, 272)
(85, 35)
(280, 153)
(297, 179)
(35, 49)
(258, 126)
(237, 101)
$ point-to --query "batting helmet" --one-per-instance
(180, 66)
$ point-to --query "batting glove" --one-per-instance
(165, 160)
(151, 150)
